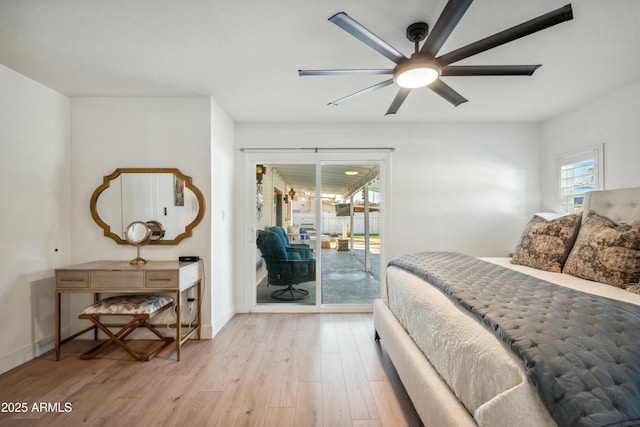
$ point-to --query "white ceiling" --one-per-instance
(246, 53)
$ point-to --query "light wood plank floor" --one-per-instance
(260, 370)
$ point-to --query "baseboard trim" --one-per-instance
(26, 353)
(210, 331)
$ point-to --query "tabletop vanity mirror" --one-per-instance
(162, 195)
(140, 233)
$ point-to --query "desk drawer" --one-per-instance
(117, 279)
(72, 279)
(162, 279)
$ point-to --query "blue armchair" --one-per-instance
(285, 238)
(286, 266)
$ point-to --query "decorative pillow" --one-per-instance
(544, 244)
(606, 252)
(634, 289)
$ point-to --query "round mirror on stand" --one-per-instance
(140, 233)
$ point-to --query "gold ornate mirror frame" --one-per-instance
(188, 231)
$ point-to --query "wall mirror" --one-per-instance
(164, 195)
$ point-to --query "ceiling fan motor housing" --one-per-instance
(417, 31)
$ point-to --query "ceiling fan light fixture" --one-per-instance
(416, 72)
(417, 77)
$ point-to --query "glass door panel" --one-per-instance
(349, 233)
(286, 224)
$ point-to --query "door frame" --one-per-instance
(245, 291)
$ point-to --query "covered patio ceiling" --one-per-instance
(334, 178)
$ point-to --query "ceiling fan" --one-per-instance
(424, 68)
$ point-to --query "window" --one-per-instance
(579, 172)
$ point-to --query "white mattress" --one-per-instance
(483, 373)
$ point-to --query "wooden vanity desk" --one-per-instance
(120, 277)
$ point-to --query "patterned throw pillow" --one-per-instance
(606, 252)
(545, 244)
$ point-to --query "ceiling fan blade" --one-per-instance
(536, 24)
(345, 22)
(398, 100)
(442, 89)
(362, 92)
(489, 70)
(449, 18)
(361, 72)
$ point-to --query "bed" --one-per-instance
(420, 325)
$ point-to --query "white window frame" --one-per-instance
(570, 196)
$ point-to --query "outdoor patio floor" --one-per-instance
(344, 280)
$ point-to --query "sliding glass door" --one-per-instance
(318, 234)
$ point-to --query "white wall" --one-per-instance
(455, 186)
(110, 133)
(611, 119)
(55, 153)
(34, 218)
(467, 188)
(222, 218)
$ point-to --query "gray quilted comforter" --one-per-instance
(581, 352)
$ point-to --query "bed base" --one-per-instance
(431, 396)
